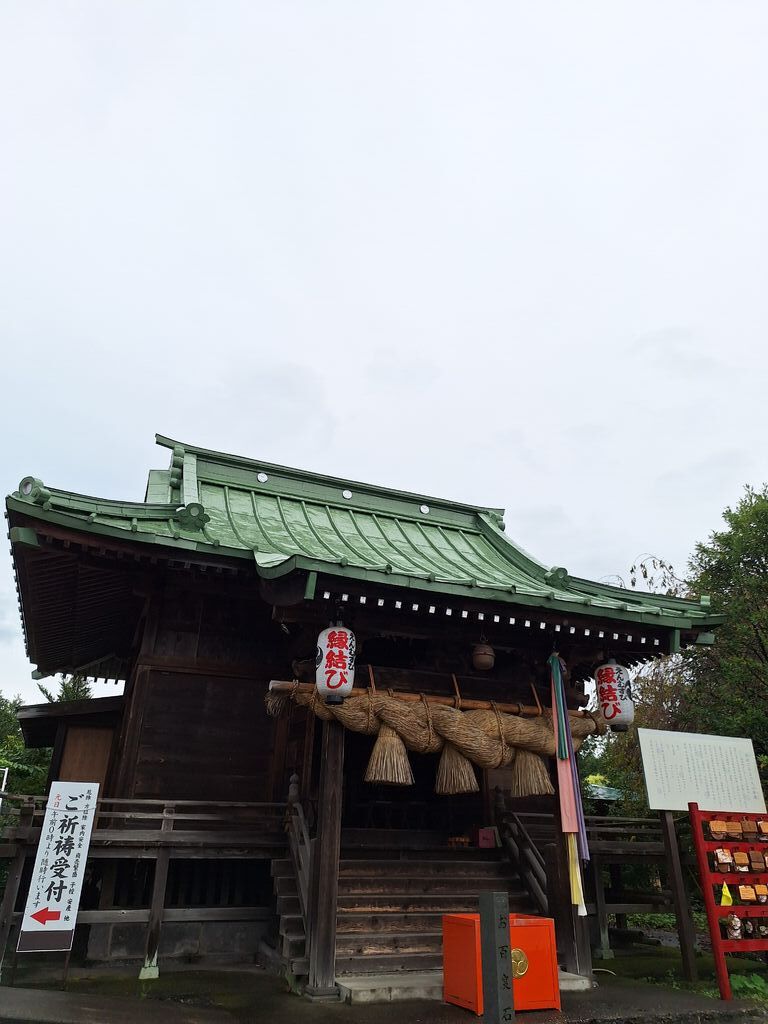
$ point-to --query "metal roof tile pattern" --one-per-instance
(284, 519)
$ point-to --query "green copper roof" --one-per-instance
(284, 519)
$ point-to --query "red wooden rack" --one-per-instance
(705, 845)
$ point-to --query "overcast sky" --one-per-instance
(511, 253)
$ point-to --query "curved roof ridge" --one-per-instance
(322, 478)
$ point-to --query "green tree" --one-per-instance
(74, 687)
(659, 690)
(727, 691)
(720, 689)
(28, 769)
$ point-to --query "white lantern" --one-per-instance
(614, 692)
(335, 663)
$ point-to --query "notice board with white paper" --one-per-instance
(719, 773)
(50, 914)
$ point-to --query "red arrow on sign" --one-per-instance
(45, 915)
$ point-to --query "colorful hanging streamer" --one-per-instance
(571, 808)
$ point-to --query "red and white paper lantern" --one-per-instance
(335, 663)
(614, 692)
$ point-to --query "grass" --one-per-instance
(665, 922)
(663, 966)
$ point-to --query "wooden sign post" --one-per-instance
(685, 930)
(496, 954)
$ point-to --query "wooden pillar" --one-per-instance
(603, 949)
(325, 867)
(617, 891)
(150, 969)
(685, 929)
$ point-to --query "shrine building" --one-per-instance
(241, 814)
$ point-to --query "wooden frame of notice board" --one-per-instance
(705, 846)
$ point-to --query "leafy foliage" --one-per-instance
(728, 682)
(750, 986)
(28, 769)
(74, 687)
(722, 689)
(659, 693)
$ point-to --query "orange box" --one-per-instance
(537, 989)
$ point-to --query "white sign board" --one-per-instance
(57, 878)
(719, 773)
(3, 784)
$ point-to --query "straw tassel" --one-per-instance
(277, 703)
(389, 762)
(529, 776)
(455, 773)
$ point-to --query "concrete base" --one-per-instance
(391, 988)
(574, 982)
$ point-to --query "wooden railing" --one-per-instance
(149, 830)
(300, 847)
(528, 859)
(615, 844)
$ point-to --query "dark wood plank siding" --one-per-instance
(86, 754)
(204, 738)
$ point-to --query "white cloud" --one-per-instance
(506, 253)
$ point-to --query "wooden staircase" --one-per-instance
(391, 902)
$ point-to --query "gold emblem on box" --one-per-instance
(519, 963)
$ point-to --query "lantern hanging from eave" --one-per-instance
(614, 693)
(335, 663)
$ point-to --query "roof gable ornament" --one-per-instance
(32, 489)
(192, 516)
(556, 575)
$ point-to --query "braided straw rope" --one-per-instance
(487, 738)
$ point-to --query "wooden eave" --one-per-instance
(40, 722)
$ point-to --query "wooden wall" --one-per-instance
(86, 754)
(195, 725)
(203, 738)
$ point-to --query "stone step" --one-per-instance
(392, 988)
(387, 943)
(423, 984)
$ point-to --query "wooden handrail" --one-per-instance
(301, 855)
(136, 802)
